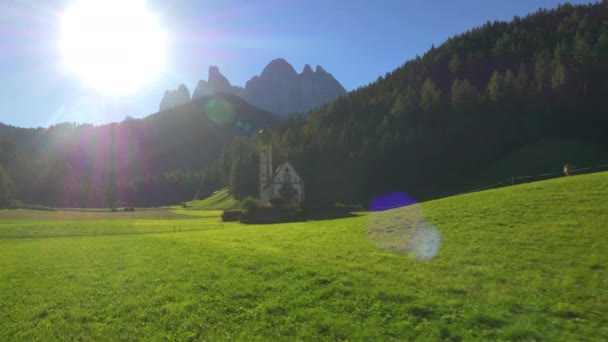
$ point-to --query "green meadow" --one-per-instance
(526, 263)
(218, 201)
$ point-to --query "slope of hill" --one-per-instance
(150, 161)
(521, 263)
(218, 201)
(535, 160)
(434, 122)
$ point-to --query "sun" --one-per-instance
(115, 46)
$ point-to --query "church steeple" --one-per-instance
(265, 165)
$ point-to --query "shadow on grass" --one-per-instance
(283, 215)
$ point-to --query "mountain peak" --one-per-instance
(278, 61)
(279, 88)
(217, 80)
(307, 69)
(174, 98)
(216, 83)
(183, 90)
(277, 67)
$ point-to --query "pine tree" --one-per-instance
(457, 93)
(455, 64)
(509, 84)
(541, 72)
(4, 187)
(558, 80)
(496, 87)
(601, 47)
(521, 81)
(235, 175)
(406, 103)
(399, 107)
(430, 95)
(412, 100)
(583, 47)
(463, 94)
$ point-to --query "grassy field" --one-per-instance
(218, 201)
(22, 223)
(521, 263)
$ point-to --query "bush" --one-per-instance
(36, 207)
(231, 215)
(15, 204)
(250, 204)
(265, 215)
(113, 210)
(278, 202)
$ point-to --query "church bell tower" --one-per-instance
(265, 167)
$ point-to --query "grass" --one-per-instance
(521, 263)
(23, 224)
(218, 201)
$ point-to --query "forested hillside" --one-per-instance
(429, 128)
(441, 119)
(151, 161)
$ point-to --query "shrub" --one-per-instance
(36, 207)
(278, 202)
(231, 215)
(272, 215)
(15, 204)
(113, 210)
(250, 204)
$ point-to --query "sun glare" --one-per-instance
(115, 46)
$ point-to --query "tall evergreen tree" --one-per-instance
(430, 95)
(496, 87)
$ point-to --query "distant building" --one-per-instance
(265, 174)
(287, 184)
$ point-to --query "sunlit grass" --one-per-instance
(218, 201)
(32, 223)
(520, 263)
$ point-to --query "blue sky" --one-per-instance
(354, 40)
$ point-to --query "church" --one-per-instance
(287, 184)
(284, 182)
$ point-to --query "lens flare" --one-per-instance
(391, 201)
(220, 111)
(403, 229)
(424, 243)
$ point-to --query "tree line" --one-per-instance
(421, 129)
(439, 119)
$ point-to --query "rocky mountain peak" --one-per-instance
(307, 69)
(216, 83)
(278, 67)
(217, 80)
(279, 88)
(174, 98)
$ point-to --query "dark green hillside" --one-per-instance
(136, 161)
(540, 158)
(443, 118)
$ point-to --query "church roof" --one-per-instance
(290, 168)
